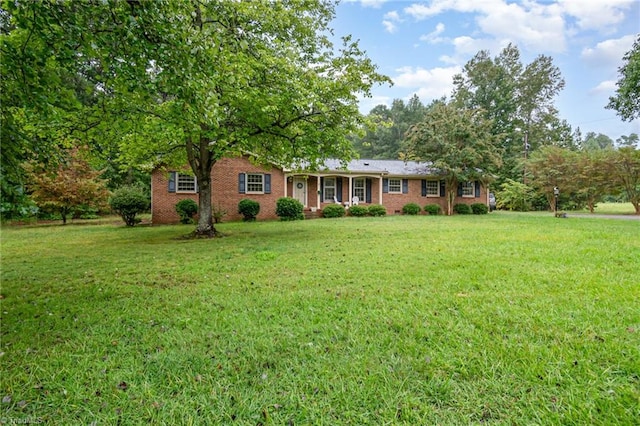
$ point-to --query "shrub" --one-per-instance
(377, 210)
(515, 196)
(411, 208)
(333, 210)
(288, 208)
(249, 209)
(358, 211)
(186, 209)
(128, 201)
(479, 208)
(461, 208)
(433, 209)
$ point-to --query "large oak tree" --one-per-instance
(193, 81)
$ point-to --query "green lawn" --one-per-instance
(505, 318)
(613, 208)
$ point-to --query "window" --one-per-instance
(359, 189)
(254, 183)
(468, 189)
(433, 188)
(186, 183)
(395, 186)
(329, 189)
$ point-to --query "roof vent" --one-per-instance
(366, 164)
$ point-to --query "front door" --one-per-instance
(300, 190)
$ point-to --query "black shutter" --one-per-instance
(322, 190)
(267, 183)
(242, 179)
(368, 194)
(405, 186)
(339, 189)
(477, 189)
(460, 189)
(385, 185)
(442, 188)
(424, 187)
(172, 181)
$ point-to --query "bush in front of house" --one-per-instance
(128, 201)
(479, 208)
(377, 210)
(358, 211)
(186, 209)
(461, 208)
(249, 209)
(411, 209)
(333, 210)
(433, 209)
(288, 208)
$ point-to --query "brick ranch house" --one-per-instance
(391, 183)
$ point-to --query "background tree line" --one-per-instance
(104, 92)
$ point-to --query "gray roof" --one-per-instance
(385, 167)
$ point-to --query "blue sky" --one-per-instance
(420, 45)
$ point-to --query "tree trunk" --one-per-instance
(451, 196)
(636, 205)
(205, 226)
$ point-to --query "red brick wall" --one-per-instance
(224, 191)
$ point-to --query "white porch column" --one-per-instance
(286, 177)
(318, 191)
(349, 197)
(380, 189)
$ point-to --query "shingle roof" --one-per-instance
(386, 167)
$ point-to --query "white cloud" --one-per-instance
(390, 21)
(434, 36)
(430, 83)
(606, 87)
(608, 53)
(541, 27)
(372, 3)
(596, 15)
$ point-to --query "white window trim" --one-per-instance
(363, 187)
(467, 185)
(247, 183)
(398, 191)
(437, 193)
(185, 176)
(326, 186)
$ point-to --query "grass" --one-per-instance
(501, 319)
(614, 208)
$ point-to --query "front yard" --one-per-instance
(503, 318)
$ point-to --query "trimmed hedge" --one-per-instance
(377, 210)
(358, 211)
(333, 210)
(288, 208)
(411, 209)
(433, 209)
(186, 209)
(249, 209)
(461, 208)
(479, 208)
(128, 201)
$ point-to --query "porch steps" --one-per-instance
(308, 214)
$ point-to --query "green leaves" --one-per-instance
(626, 101)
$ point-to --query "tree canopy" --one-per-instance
(194, 81)
(458, 143)
(626, 101)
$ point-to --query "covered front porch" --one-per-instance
(315, 191)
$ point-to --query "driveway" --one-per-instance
(605, 216)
